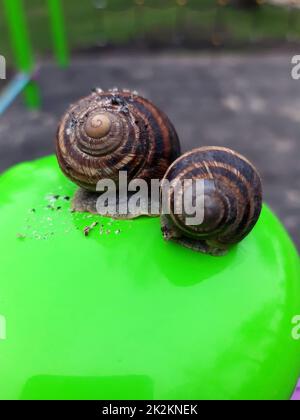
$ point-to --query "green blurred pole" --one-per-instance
(58, 32)
(21, 46)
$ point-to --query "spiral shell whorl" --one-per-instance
(98, 126)
(232, 194)
(109, 132)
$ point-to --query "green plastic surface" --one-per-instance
(126, 315)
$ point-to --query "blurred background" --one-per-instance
(220, 69)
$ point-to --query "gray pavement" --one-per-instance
(247, 102)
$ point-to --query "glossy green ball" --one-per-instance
(122, 314)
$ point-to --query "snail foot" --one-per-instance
(87, 202)
(171, 233)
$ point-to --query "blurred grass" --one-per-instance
(88, 26)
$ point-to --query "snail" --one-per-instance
(109, 132)
(232, 199)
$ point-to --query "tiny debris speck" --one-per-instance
(21, 236)
(87, 230)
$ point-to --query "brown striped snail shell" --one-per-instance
(232, 199)
(108, 132)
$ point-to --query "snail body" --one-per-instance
(108, 132)
(232, 199)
